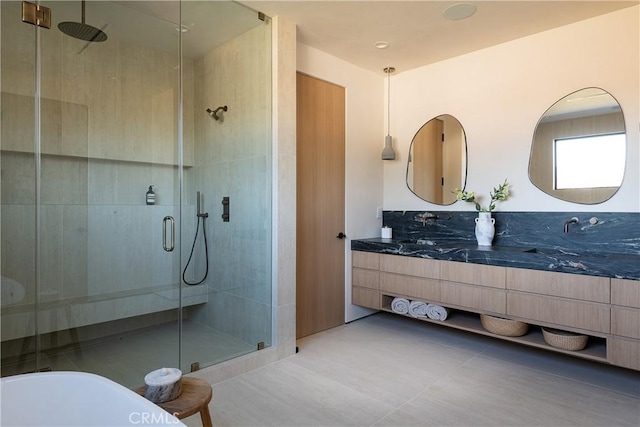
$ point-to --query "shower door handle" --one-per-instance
(172, 224)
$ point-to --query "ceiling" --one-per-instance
(416, 31)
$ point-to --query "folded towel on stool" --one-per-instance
(400, 305)
(436, 312)
(418, 309)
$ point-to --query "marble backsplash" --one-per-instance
(617, 233)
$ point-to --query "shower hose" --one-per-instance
(206, 253)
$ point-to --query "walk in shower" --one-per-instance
(94, 269)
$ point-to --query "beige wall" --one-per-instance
(499, 94)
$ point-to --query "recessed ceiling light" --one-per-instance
(382, 45)
(459, 11)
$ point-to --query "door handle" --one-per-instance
(341, 235)
(172, 224)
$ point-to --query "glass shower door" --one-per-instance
(106, 290)
(18, 281)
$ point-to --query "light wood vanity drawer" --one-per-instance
(625, 292)
(410, 286)
(624, 352)
(365, 297)
(587, 288)
(367, 260)
(365, 278)
(410, 266)
(560, 312)
(473, 297)
(625, 322)
(475, 274)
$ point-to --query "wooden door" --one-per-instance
(427, 162)
(320, 205)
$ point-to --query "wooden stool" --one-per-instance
(195, 397)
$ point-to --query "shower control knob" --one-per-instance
(341, 235)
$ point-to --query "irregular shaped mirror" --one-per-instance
(579, 148)
(437, 162)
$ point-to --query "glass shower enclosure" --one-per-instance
(135, 187)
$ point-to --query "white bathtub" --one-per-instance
(75, 399)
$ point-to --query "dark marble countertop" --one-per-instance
(616, 265)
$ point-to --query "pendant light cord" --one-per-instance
(389, 102)
(389, 70)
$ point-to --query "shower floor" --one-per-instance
(127, 358)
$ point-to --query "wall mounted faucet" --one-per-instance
(573, 220)
(427, 216)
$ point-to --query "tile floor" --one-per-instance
(395, 371)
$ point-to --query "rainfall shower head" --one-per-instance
(82, 31)
(214, 113)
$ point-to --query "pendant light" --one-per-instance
(388, 153)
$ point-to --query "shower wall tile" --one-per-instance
(18, 69)
(17, 119)
(188, 111)
(117, 182)
(18, 243)
(18, 178)
(64, 180)
(51, 252)
(126, 183)
(74, 250)
(241, 248)
(119, 238)
(64, 125)
(239, 81)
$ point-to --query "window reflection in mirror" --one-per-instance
(573, 157)
(437, 162)
(579, 148)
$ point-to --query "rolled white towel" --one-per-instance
(400, 305)
(437, 312)
(418, 309)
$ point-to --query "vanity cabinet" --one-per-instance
(365, 278)
(473, 287)
(624, 349)
(607, 310)
(561, 300)
(411, 277)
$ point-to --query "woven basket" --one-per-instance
(564, 340)
(505, 327)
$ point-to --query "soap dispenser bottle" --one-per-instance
(151, 196)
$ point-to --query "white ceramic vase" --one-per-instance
(485, 228)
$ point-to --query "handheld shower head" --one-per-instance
(214, 113)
